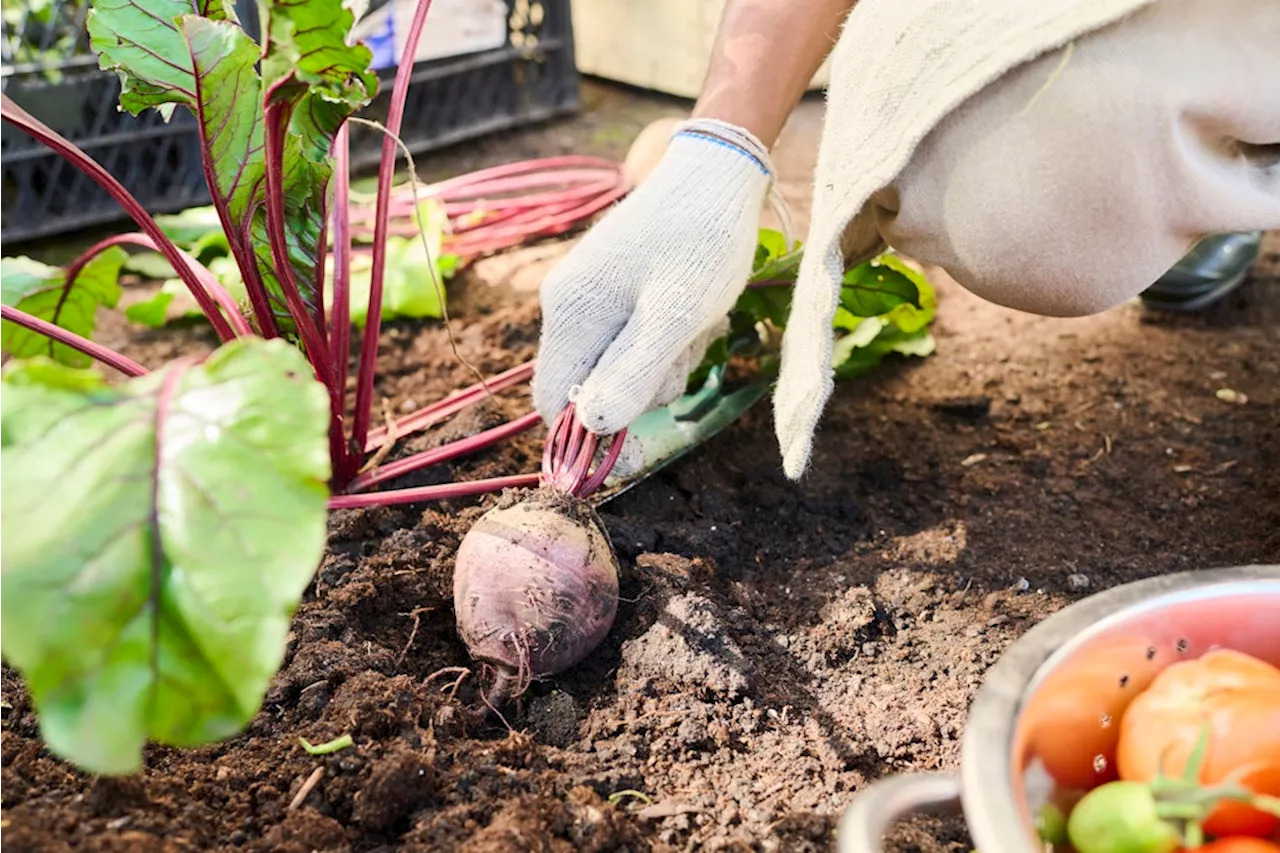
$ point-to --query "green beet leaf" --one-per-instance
(173, 301)
(909, 306)
(856, 354)
(44, 292)
(408, 287)
(149, 265)
(902, 330)
(323, 80)
(308, 52)
(140, 41)
(227, 105)
(153, 312)
(158, 535)
(196, 229)
(877, 287)
(165, 56)
(885, 307)
(773, 261)
(302, 236)
(38, 394)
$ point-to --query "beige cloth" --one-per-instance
(1055, 156)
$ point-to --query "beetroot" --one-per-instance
(535, 585)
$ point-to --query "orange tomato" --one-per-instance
(1238, 698)
(1072, 721)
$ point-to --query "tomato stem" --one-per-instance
(1169, 786)
(1179, 811)
(1266, 803)
(1195, 761)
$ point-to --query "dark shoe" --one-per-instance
(1216, 266)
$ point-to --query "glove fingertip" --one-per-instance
(606, 413)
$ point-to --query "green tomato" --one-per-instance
(1051, 824)
(1120, 817)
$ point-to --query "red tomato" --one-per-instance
(1238, 698)
(1072, 721)
(1239, 844)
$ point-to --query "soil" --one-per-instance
(778, 645)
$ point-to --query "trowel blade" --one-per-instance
(669, 433)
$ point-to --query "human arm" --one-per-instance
(766, 53)
(628, 313)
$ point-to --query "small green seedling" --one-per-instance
(618, 796)
(335, 745)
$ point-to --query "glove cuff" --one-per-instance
(729, 136)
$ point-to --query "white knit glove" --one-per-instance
(630, 311)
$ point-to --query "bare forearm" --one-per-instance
(766, 53)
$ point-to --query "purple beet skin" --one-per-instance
(535, 587)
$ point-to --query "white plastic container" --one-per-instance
(453, 28)
(661, 45)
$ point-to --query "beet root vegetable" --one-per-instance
(535, 584)
(535, 588)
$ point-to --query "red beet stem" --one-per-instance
(568, 453)
(446, 408)
(596, 480)
(445, 491)
(551, 445)
(547, 225)
(568, 161)
(562, 434)
(122, 363)
(517, 203)
(452, 450)
(346, 457)
(524, 183)
(365, 376)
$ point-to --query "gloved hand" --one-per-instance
(630, 311)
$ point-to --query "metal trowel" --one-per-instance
(666, 434)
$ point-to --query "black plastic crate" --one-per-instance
(50, 72)
(530, 79)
